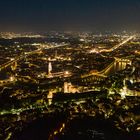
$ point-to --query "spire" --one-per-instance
(49, 67)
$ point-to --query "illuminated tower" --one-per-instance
(66, 87)
(14, 66)
(49, 68)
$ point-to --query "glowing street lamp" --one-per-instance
(12, 78)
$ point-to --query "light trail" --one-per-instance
(119, 45)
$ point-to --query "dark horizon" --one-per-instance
(70, 15)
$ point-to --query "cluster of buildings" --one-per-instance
(34, 68)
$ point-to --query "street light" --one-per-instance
(12, 78)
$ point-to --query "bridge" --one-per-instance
(117, 65)
(11, 80)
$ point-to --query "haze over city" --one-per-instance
(69, 15)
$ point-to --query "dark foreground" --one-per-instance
(104, 118)
(78, 128)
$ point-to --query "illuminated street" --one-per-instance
(70, 70)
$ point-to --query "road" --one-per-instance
(26, 54)
(102, 73)
(119, 45)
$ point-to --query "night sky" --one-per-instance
(74, 15)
